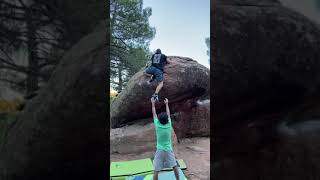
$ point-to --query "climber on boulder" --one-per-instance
(155, 71)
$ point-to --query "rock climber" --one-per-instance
(155, 71)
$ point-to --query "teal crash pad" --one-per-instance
(167, 175)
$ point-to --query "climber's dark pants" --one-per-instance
(156, 72)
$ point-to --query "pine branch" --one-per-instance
(9, 5)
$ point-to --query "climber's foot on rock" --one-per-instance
(155, 97)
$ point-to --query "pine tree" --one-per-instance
(36, 33)
(130, 36)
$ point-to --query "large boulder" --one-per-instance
(186, 83)
(264, 55)
(135, 138)
(266, 77)
(193, 122)
(61, 132)
(185, 80)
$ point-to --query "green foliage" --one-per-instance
(136, 58)
(78, 18)
(129, 23)
(130, 37)
(42, 31)
(9, 106)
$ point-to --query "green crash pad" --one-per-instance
(121, 170)
(167, 175)
(181, 164)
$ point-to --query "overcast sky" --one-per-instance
(181, 27)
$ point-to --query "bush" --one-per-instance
(9, 106)
(113, 95)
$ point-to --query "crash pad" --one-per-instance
(135, 178)
(167, 175)
(123, 169)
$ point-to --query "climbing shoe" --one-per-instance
(155, 97)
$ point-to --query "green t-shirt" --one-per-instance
(163, 135)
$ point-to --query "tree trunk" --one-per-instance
(33, 65)
(120, 68)
(114, 13)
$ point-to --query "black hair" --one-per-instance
(163, 118)
(158, 51)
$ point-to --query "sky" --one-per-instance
(181, 27)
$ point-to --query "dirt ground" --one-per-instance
(194, 151)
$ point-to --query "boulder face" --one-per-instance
(262, 60)
(135, 138)
(60, 134)
(195, 122)
(266, 78)
(185, 82)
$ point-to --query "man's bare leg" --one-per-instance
(176, 172)
(149, 75)
(155, 95)
(155, 175)
(159, 87)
